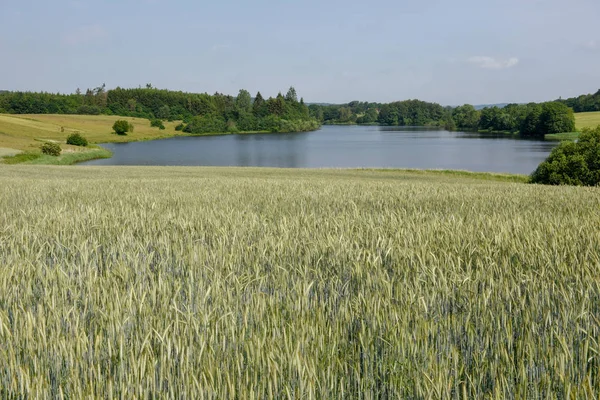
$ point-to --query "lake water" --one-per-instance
(342, 147)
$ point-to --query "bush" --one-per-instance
(88, 110)
(209, 123)
(130, 129)
(121, 127)
(179, 127)
(51, 149)
(157, 123)
(77, 140)
(572, 163)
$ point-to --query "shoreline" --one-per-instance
(98, 152)
(449, 173)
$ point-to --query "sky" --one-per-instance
(450, 52)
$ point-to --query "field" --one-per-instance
(257, 283)
(27, 132)
(587, 120)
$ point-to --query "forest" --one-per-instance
(531, 119)
(205, 113)
(200, 113)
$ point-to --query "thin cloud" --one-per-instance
(493, 63)
(85, 35)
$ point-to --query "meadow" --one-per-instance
(26, 133)
(146, 282)
(587, 119)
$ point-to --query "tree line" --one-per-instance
(203, 112)
(583, 103)
(531, 119)
(534, 119)
(200, 113)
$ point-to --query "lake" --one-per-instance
(341, 147)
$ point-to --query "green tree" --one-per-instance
(572, 163)
(557, 118)
(276, 106)
(259, 107)
(132, 105)
(121, 127)
(291, 95)
(388, 115)
(346, 114)
(488, 117)
(531, 124)
(164, 112)
(369, 117)
(316, 112)
(243, 101)
(466, 117)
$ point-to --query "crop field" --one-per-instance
(143, 282)
(587, 119)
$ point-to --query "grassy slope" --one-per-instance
(587, 120)
(178, 282)
(27, 132)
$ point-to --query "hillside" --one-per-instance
(27, 132)
(587, 119)
(266, 283)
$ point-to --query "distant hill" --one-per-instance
(482, 106)
(3, 91)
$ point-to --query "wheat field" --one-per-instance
(141, 282)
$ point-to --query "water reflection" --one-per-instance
(342, 147)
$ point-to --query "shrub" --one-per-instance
(130, 128)
(179, 127)
(77, 140)
(209, 123)
(157, 123)
(572, 163)
(231, 127)
(121, 127)
(51, 149)
(88, 110)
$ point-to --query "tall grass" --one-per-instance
(249, 283)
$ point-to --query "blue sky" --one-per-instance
(451, 52)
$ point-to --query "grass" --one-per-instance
(23, 132)
(488, 176)
(563, 136)
(587, 119)
(142, 282)
(70, 155)
(21, 158)
(90, 153)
